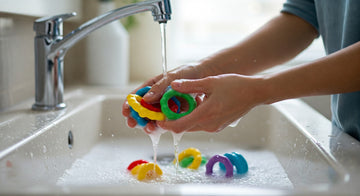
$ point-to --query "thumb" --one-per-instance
(192, 86)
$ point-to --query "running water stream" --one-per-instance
(155, 135)
(163, 48)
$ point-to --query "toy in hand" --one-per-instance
(169, 106)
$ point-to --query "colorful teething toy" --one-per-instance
(227, 162)
(223, 160)
(139, 120)
(169, 106)
(188, 160)
(165, 107)
(238, 161)
(196, 161)
(142, 169)
(136, 163)
(142, 121)
(134, 102)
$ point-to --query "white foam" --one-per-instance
(106, 163)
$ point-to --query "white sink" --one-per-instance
(290, 148)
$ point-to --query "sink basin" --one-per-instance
(85, 149)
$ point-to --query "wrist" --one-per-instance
(265, 90)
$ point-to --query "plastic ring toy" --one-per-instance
(134, 102)
(165, 107)
(136, 163)
(177, 102)
(152, 107)
(142, 170)
(139, 120)
(188, 160)
(174, 105)
(222, 159)
(238, 161)
(141, 92)
(195, 153)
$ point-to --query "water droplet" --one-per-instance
(31, 155)
(100, 134)
(44, 149)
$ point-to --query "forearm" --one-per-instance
(336, 73)
(276, 42)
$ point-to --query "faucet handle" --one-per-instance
(51, 25)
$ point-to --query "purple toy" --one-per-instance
(222, 159)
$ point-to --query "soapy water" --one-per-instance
(176, 138)
(106, 163)
(155, 138)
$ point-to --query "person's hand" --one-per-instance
(227, 98)
(159, 85)
(150, 126)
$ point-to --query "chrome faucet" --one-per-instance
(51, 47)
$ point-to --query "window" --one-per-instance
(202, 27)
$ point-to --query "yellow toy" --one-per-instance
(134, 102)
(191, 152)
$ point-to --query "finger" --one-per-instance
(126, 109)
(186, 122)
(192, 86)
(150, 127)
(199, 99)
(157, 90)
(149, 82)
(131, 122)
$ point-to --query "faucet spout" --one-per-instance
(51, 47)
(160, 9)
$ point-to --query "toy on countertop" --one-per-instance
(191, 158)
(143, 169)
(228, 162)
(169, 106)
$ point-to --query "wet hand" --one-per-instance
(159, 85)
(227, 98)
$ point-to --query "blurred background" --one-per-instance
(198, 28)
